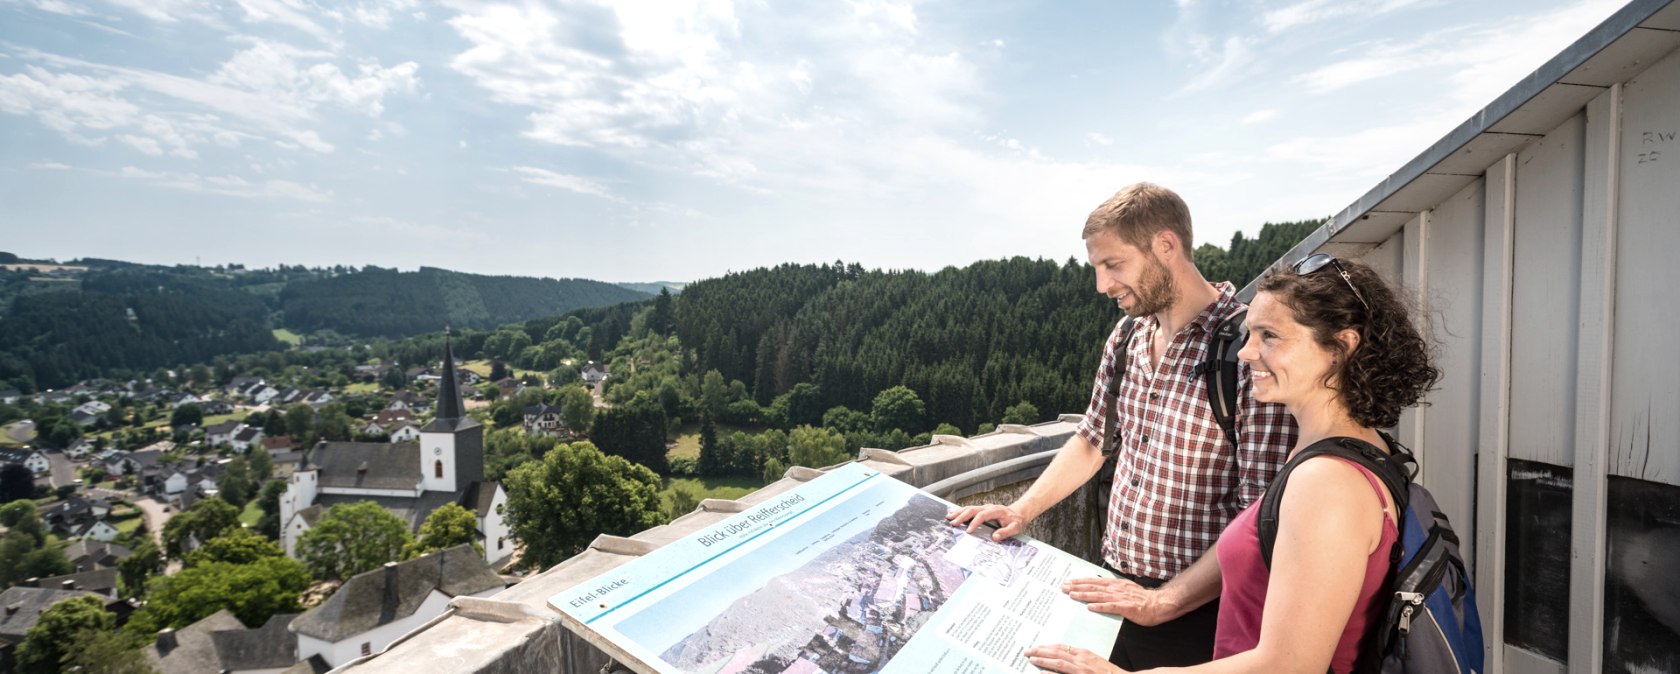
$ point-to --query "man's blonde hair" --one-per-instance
(1137, 212)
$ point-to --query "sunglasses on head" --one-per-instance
(1317, 261)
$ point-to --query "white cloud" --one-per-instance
(1099, 138)
(50, 166)
(694, 87)
(1259, 116)
(1316, 11)
(547, 178)
(227, 185)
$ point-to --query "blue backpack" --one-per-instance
(1429, 623)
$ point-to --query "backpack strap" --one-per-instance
(1111, 408)
(1220, 370)
(1393, 468)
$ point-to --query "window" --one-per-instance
(367, 648)
(500, 541)
(499, 507)
(437, 470)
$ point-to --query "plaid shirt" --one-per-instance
(1176, 481)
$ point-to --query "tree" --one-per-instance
(714, 393)
(134, 570)
(253, 592)
(186, 415)
(352, 538)
(237, 546)
(635, 431)
(16, 482)
(262, 465)
(238, 485)
(1021, 413)
(714, 457)
(205, 520)
(447, 527)
(108, 653)
(300, 419)
(268, 501)
(577, 408)
(45, 562)
(48, 643)
(557, 505)
(682, 501)
(897, 407)
(816, 447)
(16, 511)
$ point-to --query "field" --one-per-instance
(288, 336)
(688, 438)
(712, 487)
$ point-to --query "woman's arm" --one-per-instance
(1330, 521)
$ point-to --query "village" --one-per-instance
(154, 458)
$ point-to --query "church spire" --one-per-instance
(449, 391)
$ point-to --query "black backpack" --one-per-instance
(1429, 622)
(1218, 368)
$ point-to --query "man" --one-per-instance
(1177, 478)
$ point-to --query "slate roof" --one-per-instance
(103, 581)
(195, 649)
(387, 465)
(23, 606)
(247, 435)
(223, 428)
(396, 591)
(410, 509)
(267, 647)
(480, 497)
(87, 554)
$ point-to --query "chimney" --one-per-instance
(12, 608)
(67, 585)
(166, 641)
(388, 612)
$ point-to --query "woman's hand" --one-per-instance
(1069, 660)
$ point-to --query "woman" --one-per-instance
(1335, 345)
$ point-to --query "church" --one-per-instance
(410, 479)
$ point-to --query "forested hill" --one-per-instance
(971, 341)
(388, 303)
(94, 318)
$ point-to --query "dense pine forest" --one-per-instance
(971, 342)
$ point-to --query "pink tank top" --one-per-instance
(1245, 577)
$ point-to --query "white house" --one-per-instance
(99, 530)
(216, 435)
(372, 609)
(404, 431)
(246, 438)
(34, 460)
(79, 449)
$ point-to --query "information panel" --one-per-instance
(851, 572)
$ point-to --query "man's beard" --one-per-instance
(1155, 291)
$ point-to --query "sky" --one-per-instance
(681, 140)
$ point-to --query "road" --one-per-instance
(63, 469)
(155, 517)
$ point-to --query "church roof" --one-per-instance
(367, 465)
(410, 509)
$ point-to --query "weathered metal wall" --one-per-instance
(1553, 441)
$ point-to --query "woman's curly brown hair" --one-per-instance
(1391, 369)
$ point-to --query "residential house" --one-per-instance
(245, 438)
(221, 644)
(32, 459)
(238, 386)
(102, 581)
(371, 427)
(403, 431)
(216, 435)
(317, 399)
(261, 394)
(186, 399)
(23, 607)
(91, 555)
(388, 417)
(508, 387)
(79, 449)
(83, 418)
(411, 480)
(286, 463)
(407, 400)
(594, 373)
(544, 419)
(10, 396)
(372, 609)
(278, 444)
(100, 530)
(75, 513)
(216, 407)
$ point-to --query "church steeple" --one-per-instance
(449, 387)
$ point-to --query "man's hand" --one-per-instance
(1009, 523)
(1121, 597)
